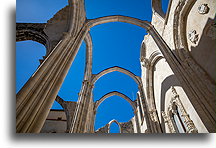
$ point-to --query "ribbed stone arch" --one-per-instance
(119, 69)
(114, 93)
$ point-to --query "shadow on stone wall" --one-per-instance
(165, 86)
(204, 53)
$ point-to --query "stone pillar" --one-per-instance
(138, 124)
(36, 97)
(155, 121)
(146, 110)
(81, 113)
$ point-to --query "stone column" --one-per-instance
(81, 113)
(35, 99)
(138, 124)
(145, 108)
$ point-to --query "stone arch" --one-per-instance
(150, 68)
(119, 18)
(112, 121)
(166, 84)
(153, 59)
(114, 93)
(34, 32)
(46, 93)
(119, 69)
(136, 79)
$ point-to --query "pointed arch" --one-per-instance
(119, 18)
(114, 121)
(119, 69)
(115, 93)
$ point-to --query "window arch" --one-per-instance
(177, 118)
(117, 123)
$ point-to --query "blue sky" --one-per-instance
(114, 44)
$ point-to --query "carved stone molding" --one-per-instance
(175, 101)
(203, 9)
(193, 36)
(168, 121)
(153, 115)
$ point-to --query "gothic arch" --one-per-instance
(42, 88)
(119, 69)
(119, 18)
(112, 121)
(150, 68)
(114, 93)
(135, 78)
(153, 59)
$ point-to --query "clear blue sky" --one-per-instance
(114, 44)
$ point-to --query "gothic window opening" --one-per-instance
(110, 109)
(178, 120)
(114, 128)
